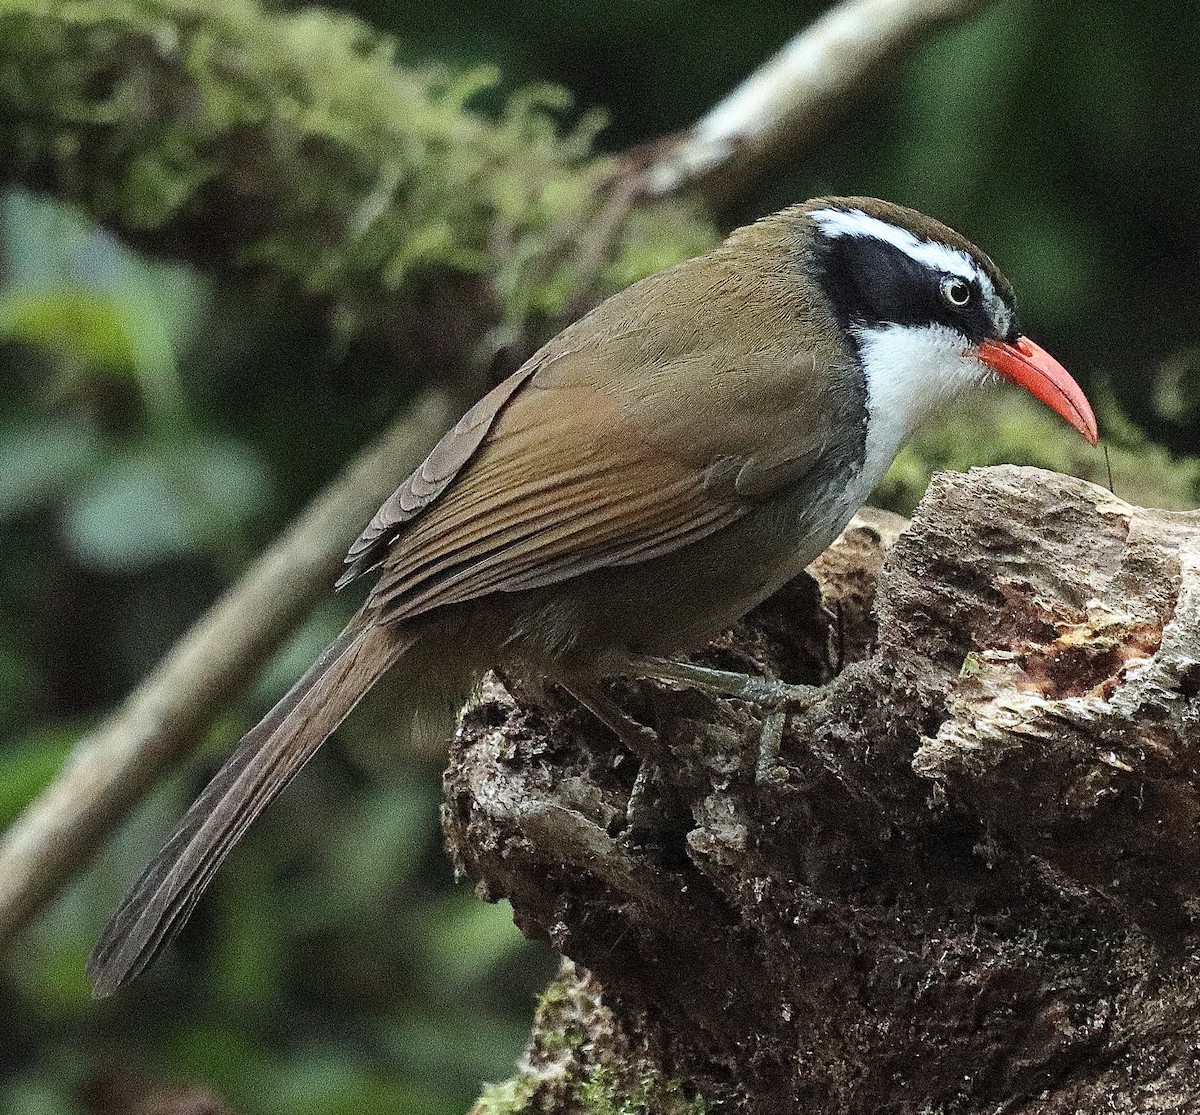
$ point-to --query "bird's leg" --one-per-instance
(777, 696)
(762, 691)
(641, 740)
(770, 741)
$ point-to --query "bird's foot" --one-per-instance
(776, 696)
(770, 741)
(641, 813)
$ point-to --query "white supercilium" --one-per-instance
(930, 253)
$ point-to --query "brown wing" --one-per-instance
(612, 446)
(430, 478)
(532, 510)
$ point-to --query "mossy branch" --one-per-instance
(291, 145)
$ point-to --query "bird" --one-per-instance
(642, 481)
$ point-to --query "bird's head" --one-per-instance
(927, 313)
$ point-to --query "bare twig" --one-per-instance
(114, 766)
(786, 102)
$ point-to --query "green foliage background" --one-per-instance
(159, 425)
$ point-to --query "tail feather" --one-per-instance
(265, 760)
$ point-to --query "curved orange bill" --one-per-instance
(1030, 366)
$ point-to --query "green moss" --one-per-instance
(510, 1098)
(559, 1033)
(970, 667)
(579, 1063)
(600, 1092)
(291, 143)
(603, 1093)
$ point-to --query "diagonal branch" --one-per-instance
(785, 104)
(114, 766)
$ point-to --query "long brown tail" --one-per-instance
(265, 760)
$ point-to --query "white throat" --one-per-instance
(911, 371)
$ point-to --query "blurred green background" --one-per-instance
(157, 430)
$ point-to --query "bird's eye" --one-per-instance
(956, 292)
